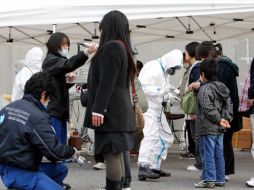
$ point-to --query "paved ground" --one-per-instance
(85, 178)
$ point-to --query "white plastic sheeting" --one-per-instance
(17, 13)
(157, 27)
(31, 22)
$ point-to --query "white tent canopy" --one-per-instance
(157, 27)
(32, 21)
(17, 13)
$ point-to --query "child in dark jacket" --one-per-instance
(213, 116)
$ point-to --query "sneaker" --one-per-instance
(193, 168)
(227, 177)
(90, 153)
(220, 184)
(99, 166)
(205, 184)
(187, 155)
(250, 183)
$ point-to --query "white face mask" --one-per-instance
(64, 52)
(45, 105)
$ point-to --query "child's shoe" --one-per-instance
(205, 184)
(220, 184)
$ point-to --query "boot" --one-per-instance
(145, 172)
(113, 185)
(162, 173)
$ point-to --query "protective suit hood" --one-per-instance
(33, 58)
(172, 59)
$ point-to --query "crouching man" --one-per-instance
(26, 135)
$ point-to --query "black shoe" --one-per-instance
(187, 155)
(66, 186)
(146, 173)
(220, 184)
(113, 185)
(162, 173)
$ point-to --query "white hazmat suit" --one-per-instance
(157, 133)
(32, 64)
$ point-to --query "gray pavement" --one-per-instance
(85, 178)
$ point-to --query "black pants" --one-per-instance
(191, 141)
(198, 163)
(98, 158)
(229, 153)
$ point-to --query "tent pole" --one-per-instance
(202, 29)
(54, 28)
(29, 36)
(78, 24)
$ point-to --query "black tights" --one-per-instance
(115, 169)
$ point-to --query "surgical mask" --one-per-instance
(171, 71)
(186, 66)
(64, 52)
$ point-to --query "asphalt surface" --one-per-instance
(85, 178)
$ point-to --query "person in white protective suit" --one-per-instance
(32, 64)
(158, 137)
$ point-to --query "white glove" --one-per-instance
(166, 98)
(173, 98)
(177, 91)
(169, 88)
(165, 90)
(78, 158)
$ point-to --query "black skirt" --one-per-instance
(113, 142)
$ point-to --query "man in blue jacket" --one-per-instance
(26, 135)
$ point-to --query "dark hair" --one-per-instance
(209, 68)
(204, 50)
(218, 49)
(191, 48)
(38, 83)
(139, 65)
(184, 57)
(55, 41)
(115, 26)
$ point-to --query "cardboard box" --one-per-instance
(242, 139)
(246, 123)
